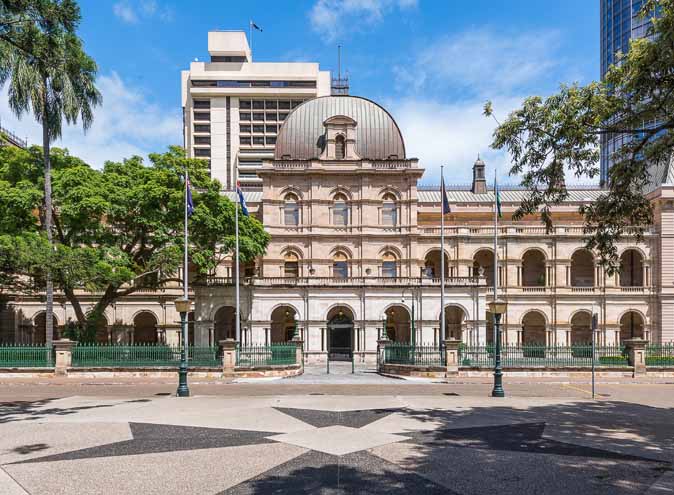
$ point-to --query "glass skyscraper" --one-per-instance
(620, 22)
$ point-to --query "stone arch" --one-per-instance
(145, 324)
(291, 190)
(582, 268)
(398, 322)
(283, 323)
(39, 321)
(483, 258)
(533, 268)
(340, 190)
(632, 325)
(432, 263)
(631, 268)
(224, 323)
(534, 324)
(340, 248)
(333, 310)
(392, 191)
(581, 327)
(340, 320)
(455, 317)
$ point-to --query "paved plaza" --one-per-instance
(107, 437)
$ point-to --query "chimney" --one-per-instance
(479, 181)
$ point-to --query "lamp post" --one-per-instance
(183, 307)
(497, 308)
(413, 335)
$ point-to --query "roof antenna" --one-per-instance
(340, 85)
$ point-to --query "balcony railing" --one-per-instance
(344, 282)
(512, 230)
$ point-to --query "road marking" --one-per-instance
(589, 392)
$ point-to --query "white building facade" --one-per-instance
(233, 107)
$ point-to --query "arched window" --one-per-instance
(340, 211)
(291, 266)
(340, 147)
(291, 210)
(582, 269)
(631, 269)
(389, 265)
(340, 265)
(483, 263)
(533, 269)
(389, 211)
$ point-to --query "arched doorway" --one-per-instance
(145, 328)
(283, 324)
(631, 326)
(454, 318)
(631, 269)
(581, 328)
(582, 269)
(40, 326)
(533, 328)
(398, 324)
(432, 264)
(533, 269)
(483, 262)
(340, 334)
(224, 324)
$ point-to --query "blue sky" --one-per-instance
(431, 63)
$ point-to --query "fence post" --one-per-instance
(63, 349)
(381, 344)
(636, 354)
(228, 349)
(299, 351)
(452, 356)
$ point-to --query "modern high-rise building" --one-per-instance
(233, 107)
(620, 22)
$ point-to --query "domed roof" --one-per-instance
(377, 134)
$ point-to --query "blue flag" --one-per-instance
(242, 201)
(445, 202)
(188, 197)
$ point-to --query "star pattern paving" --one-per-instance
(369, 470)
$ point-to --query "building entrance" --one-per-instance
(340, 338)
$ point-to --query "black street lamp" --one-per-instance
(497, 308)
(183, 307)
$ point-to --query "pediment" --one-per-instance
(340, 120)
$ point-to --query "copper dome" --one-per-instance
(377, 134)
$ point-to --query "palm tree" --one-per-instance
(52, 76)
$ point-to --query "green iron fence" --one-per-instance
(266, 355)
(534, 355)
(660, 355)
(26, 356)
(419, 355)
(140, 355)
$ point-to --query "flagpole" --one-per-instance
(442, 255)
(236, 272)
(495, 248)
(250, 35)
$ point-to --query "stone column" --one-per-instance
(63, 348)
(452, 356)
(381, 343)
(299, 351)
(636, 354)
(228, 350)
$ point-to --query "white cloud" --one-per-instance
(483, 61)
(126, 124)
(145, 9)
(332, 18)
(125, 12)
(449, 134)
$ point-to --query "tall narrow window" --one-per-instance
(389, 265)
(340, 147)
(389, 212)
(291, 210)
(340, 212)
(340, 266)
(291, 266)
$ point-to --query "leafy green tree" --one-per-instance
(49, 75)
(548, 136)
(117, 230)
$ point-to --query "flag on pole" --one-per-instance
(188, 196)
(445, 202)
(242, 202)
(255, 26)
(497, 198)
